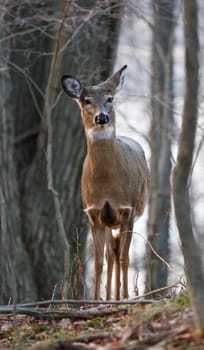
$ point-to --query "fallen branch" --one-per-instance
(78, 342)
(140, 299)
(72, 314)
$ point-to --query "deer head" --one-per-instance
(96, 102)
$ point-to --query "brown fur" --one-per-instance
(114, 183)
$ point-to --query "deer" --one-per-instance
(114, 183)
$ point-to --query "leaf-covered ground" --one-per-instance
(166, 324)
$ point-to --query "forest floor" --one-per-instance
(155, 325)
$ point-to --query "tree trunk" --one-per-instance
(15, 268)
(190, 248)
(84, 48)
(160, 135)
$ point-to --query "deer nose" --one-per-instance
(102, 119)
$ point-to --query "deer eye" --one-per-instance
(109, 99)
(87, 101)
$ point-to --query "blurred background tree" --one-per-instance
(161, 141)
(183, 167)
(39, 43)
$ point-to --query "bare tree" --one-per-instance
(15, 267)
(160, 138)
(190, 248)
(38, 56)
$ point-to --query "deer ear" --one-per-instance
(116, 80)
(71, 86)
(120, 76)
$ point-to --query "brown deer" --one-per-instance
(114, 182)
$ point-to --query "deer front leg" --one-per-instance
(117, 267)
(125, 240)
(110, 255)
(98, 242)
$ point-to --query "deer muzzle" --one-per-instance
(102, 119)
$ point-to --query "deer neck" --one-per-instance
(102, 150)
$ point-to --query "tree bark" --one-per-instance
(16, 279)
(160, 136)
(190, 248)
(85, 50)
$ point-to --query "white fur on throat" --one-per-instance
(100, 133)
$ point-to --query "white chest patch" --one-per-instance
(100, 133)
(99, 208)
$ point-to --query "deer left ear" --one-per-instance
(71, 86)
(121, 78)
(116, 80)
